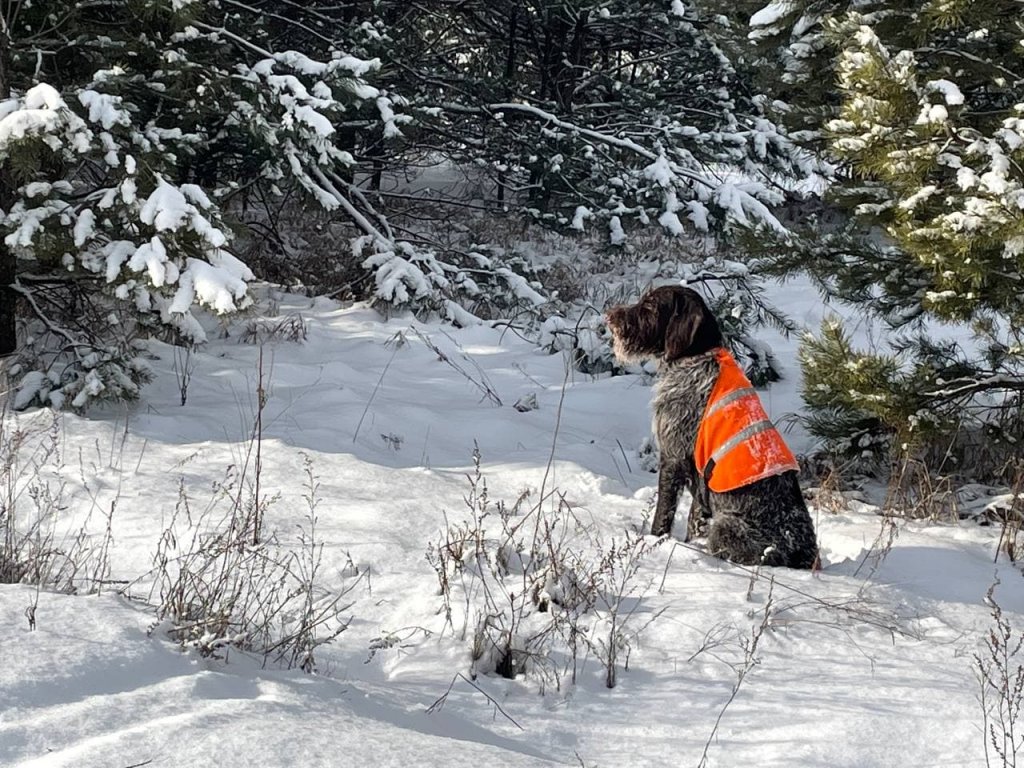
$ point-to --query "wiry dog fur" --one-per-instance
(765, 522)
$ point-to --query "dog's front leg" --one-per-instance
(672, 476)
(700, 509)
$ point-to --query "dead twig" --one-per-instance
(438, 704)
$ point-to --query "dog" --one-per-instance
(714, 436)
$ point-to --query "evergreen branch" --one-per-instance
(970, 57)
(286, 19)
(550, 117)
(58, 279)
(328, 184)
(236, 38)
(73, 343)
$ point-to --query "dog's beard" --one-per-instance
(625, 355)
(624, 351)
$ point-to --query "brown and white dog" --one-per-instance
(714, 436)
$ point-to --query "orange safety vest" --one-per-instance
(737, 434)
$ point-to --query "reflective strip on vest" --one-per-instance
(744, 434)
(732, 397)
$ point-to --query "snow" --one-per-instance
(129, 192)
(356, 66)
(918, 197)
(1013, 247)
(168, 209)
(388, 117)
(698, 214)
(395, 276)
(25, 122)
(151, 257)
(297, 61)
(966, 178)
(660, 172)
(38, 114)
(43, 113)
(581, 214)
(219, 286)
(37, 189)
(104, 109)
(31, 221)
(31, 383)
(85, 226)
(363, 91)
(616, 234)
(93, 386)
(44, 96)
(772, 13)
(950, 91)
(116, 253)
(868, 663)
(669, 219)
(933, 113)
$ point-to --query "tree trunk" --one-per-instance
(510, 89)
(569, 76)
(8, 298)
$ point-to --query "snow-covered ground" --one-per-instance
(869, 662)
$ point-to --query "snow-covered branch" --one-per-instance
(958, 388)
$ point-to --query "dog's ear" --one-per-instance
(681, 332)
(692, 328)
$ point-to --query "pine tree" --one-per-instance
(127, 130)
(795, 58)
(928, 134)
(592, 113)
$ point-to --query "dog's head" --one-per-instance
(668, 323)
